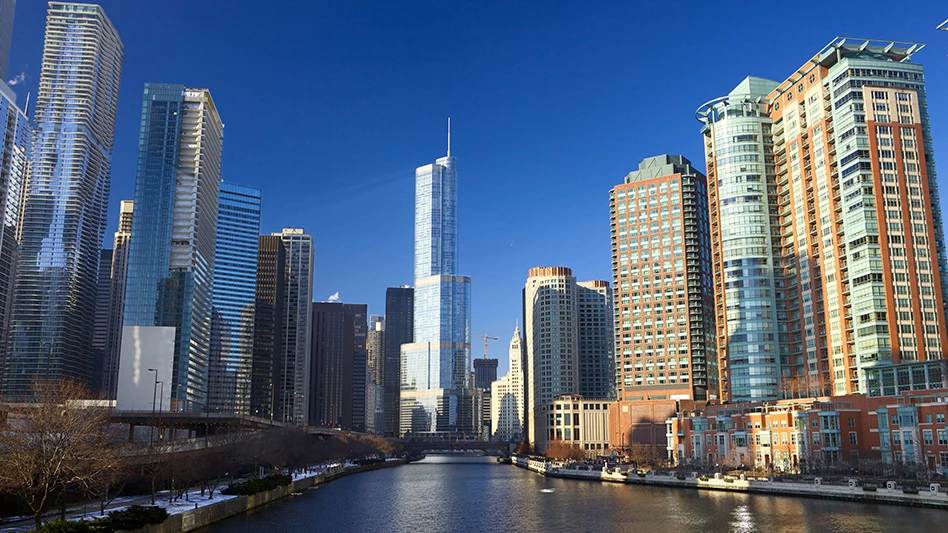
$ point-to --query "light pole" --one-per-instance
(161, 398)
(154, 400)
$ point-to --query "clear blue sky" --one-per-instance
(329, 106)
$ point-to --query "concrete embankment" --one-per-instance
(888, 492)
(204, 516)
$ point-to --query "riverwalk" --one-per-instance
(200, 511)
(929, 495)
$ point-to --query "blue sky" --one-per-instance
(329, 106)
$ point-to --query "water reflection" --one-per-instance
(445, 493)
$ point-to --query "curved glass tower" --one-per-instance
(740, 192)
(65, 200)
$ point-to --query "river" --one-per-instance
(459, 494)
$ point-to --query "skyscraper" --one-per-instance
(485, 372)
(596, 346)
(107, 337)
(552, 342)
(15, 144)
(399, 330)
(235, 276)
(338, 344)
(65, 199)
(563, 316)
(7, 10)
(293, 372)
(826, 228)
(268, 325)
(360, 369)
(661, 267)
(507, 396)
(100, 331)
(375, 368)
(118, 277)
(174, 229)
(436, 375)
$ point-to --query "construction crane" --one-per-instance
(486, 338)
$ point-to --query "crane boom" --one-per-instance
(486, 338)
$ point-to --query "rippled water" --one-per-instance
(460, 494)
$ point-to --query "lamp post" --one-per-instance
(154, 400)
(161, 398)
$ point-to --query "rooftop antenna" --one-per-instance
(449, 136)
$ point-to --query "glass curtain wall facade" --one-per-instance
(293, 371)
(235, 273)
(268, 325)
(14, 158)
(399, 330)
(171, 252)
(436, 367)
(65, 199)
(741, 195)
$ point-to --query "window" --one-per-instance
(852, 423)
(943, 437)
(927, 437)
(852, 437)
(944, 459)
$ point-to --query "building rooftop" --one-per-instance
(661, 165)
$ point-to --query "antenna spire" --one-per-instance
(449, 136)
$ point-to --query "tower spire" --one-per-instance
(449, 136)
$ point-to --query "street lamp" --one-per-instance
(154, 400)
(161, 398)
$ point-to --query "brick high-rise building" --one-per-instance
(826, 230)
(664, 321)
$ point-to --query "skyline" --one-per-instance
(369, 123)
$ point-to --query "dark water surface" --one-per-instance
(460, 494)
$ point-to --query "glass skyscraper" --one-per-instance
(7, 9)
(235, 276)
(436, 393)
(15, 147)
(171, 252)
(291, 389)
(65, 200)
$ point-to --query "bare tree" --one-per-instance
(57, 443)
(558, 449)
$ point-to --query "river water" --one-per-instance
(460, 494)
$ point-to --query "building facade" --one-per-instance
(235, 275)
(293, 373)
(64, 203)
(7, 11)
(507, 397)
(399, 330)
(375, 375)
(576, 421)
(118, 277)
(338, 340)
(436, 367)
(267, 356)
(850, 259)
(170, 281)
(485, 372)
(596, 339)
(15, 145)
(661, 263)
